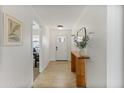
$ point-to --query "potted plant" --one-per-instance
(81, 43)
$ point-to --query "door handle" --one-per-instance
(56, 48)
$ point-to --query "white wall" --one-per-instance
(16, 65)
(44, 50)
(115, 41)
(0, 33)
(53, 34)
(94, 18)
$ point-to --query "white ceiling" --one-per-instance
(53, 15)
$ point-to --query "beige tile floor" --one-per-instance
(57, 75)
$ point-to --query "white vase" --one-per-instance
(78, 50)
(83, 52)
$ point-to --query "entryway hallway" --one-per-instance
(57, 28)
(57, 75)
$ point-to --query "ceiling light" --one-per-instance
(60, 26)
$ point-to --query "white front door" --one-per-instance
(61, 48)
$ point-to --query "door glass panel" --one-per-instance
(61, 39)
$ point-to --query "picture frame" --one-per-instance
(13, 35)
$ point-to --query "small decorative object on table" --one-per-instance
(81, 41)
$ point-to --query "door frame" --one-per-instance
(34, 21)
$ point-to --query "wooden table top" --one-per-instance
(79, 56)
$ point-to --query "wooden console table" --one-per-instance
(78, 66)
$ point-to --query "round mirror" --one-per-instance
(81, 33)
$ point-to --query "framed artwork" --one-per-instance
(12, 31)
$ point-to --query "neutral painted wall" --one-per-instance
(53, 34)
(94, 19)
(44, 50)
(115, 41)
(0, 32)
(16, 65)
